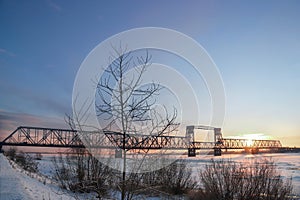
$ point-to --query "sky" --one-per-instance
(254, 44)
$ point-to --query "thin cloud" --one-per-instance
(6, 52)
(10, 121)
(54, 6)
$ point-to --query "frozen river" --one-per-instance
(288, 164)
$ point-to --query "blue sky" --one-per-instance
(255, 44)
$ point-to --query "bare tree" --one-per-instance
(127, 106)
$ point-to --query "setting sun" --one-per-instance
(251, 137)
(249, 142)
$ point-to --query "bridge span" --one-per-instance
(66, 138)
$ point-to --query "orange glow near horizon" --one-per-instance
(251, 137)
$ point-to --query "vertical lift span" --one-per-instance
(190, 135)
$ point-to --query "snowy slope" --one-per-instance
(10, 182)
(15, 185)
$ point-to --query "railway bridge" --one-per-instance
(52, 137)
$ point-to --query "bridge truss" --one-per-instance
(50, 137)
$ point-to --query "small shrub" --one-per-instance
(11, 153)
(26, 162)
(176, 178)
(83, 173)
(226, 180)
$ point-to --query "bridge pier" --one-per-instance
(254, 151)
(217, 152)
(191, 152)
(118, 153)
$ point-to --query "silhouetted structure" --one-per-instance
(51, 137)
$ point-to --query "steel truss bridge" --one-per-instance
(51, 137)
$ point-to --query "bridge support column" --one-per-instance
(191, 152)
(254, 151)
(118, 153)
(217, 152)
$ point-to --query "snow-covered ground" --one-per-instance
(10, 182)
(17, 184)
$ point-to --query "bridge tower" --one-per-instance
(189, 134)
(190, 137)
(218, 135)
